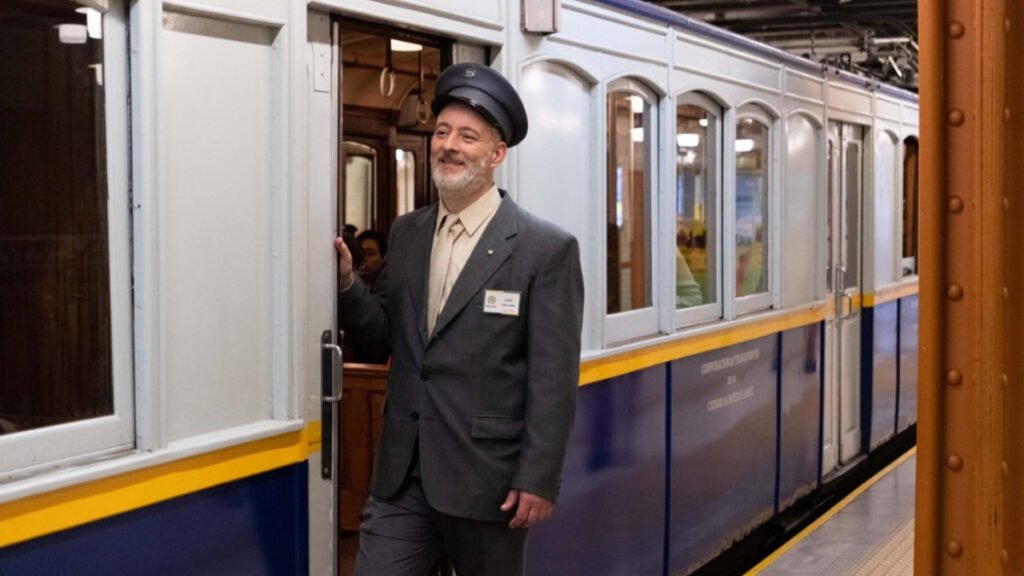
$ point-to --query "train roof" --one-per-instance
(700, 28)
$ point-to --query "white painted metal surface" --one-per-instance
(217, 221)
(320, 153)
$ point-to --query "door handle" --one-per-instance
(331, 390)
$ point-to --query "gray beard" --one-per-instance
(473, 178)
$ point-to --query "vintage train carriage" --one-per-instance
(174, 176)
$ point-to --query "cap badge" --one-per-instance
(470, 72)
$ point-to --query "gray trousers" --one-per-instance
(404, 537)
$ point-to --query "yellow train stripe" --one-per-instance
(890, 294)
(313, 432)
(616, 365)
(829, 514)
(36, 516)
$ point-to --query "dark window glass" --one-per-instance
(910, 208)
(55, 348)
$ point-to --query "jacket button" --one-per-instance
(415, 416)
(424, 375)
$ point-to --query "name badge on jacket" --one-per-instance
(501, 302)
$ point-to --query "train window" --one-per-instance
(405, 180)
(65, 293)
(630, 171)
(360, 184)
(910, 206)
(753, 188)
(697, 185)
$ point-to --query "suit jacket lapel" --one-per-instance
(494, 247)
(418, 263)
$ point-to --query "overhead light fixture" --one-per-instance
(637, 134)
(636, 104)
(403, 46)
(744, 145)
(93, 22)
(688, 140)
(703, 122)
(72, 33)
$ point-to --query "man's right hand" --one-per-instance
(345, 276)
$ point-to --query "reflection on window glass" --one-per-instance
(629, 254)
(55, 324)
(910, 208)
(696, 162)
(405, 180)
(751, 207)
(360, 184)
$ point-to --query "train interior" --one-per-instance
(387, 79)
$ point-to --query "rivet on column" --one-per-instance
(1006, 114)
(956, 30)
(1005, 556)
(1006, 293)
(1004, 380)
(955, 205)
(956, 117)
(954, 378)
(1006, 203)
(1006, 469)
(954, 462)
(954, 548)
(954, 292)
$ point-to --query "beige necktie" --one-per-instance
(441, 275)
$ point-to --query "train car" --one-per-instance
(176, 398)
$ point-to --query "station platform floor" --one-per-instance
(868, 533)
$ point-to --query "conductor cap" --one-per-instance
(487, 92)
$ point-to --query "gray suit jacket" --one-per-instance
(490, 398)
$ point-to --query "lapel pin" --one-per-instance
(489, 252)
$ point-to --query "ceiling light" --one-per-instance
(744, 145)
(636, 104)
(72, 33)
(688, 140)
(403, 46)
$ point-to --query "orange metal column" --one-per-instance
(965, 298)
(1013, 347)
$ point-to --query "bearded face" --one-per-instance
(465, 150)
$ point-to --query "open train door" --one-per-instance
(323, 358)
(842, 422)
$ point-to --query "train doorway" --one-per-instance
(386, 77)
(842, 420)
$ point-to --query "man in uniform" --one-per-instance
(481, 311)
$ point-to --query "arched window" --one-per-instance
(752, 224)
(631, 150)
(697, 195)
(910, 206)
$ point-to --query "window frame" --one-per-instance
(641, 322)
(37, 450)
(908, 264)
(761, 301)
(683, 317)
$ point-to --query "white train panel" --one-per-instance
(842, 98)
(216, 155)
(803, 208)
(717, 61)
(887, 192)
(610, 33)
(887, 109)
(555, 175)
(910, 115)
(801, 86)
